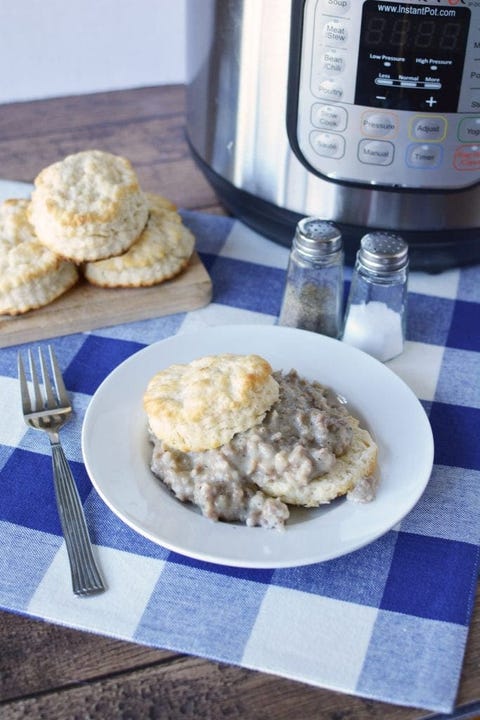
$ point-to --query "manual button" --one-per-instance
(432, 128)
(376, 152)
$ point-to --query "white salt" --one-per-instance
(374, 328)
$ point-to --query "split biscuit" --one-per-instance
(202, 405)
(31, 275)
(162, 251)
(88, 206)
(352, 467)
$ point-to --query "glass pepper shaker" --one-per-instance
(313, 293)
(375, 316)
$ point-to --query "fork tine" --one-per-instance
(38, 403)
(25, 395)
(51, 402)
(58, 379)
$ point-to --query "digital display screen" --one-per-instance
(411, 56)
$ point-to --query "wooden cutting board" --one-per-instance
(87, 307)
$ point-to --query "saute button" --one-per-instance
(328, 144)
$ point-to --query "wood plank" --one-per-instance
(86, 307)
(152, 135)
(190, 688)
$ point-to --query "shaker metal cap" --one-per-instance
(383, 251)
(315, 237)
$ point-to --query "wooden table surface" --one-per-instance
(48, 671)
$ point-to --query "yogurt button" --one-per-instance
(469, 129)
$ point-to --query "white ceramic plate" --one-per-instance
(117, 452)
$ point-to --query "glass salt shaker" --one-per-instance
(375, 316)
(313, 293)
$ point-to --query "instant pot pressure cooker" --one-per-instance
(362, 112)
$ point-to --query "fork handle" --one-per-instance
(86, 577)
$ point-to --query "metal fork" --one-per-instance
(49, 412)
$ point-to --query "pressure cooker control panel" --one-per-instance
(388, 92)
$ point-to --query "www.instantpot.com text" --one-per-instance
(417, 10)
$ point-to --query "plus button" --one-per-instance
(431, 101)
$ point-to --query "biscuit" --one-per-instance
(351, 467)
(88, 206)
(162, 251)
(202, 405)
(31, 275)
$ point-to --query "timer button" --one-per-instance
(432, 128)
(335, 32)
(328, 144)
(379, 124)
(425, 156)
(329, 117)
(469, 129)
(337, 7)
(376, 152)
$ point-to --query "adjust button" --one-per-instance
(328, 144)
(376, 152)
(424, 156)
(329, 117)
(432, 128)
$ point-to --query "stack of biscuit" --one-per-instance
(87, 216)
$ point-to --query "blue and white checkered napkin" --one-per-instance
(388, 622)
